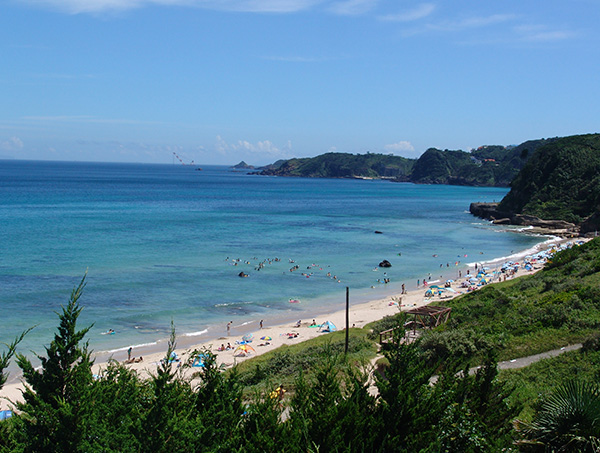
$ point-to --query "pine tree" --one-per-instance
(55, 395)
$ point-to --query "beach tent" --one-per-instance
(199, 361)
(5, 414)
(266, 337)
(248, 337)
(328, 326)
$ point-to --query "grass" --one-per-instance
(533, 383)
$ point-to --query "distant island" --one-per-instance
(242, 166)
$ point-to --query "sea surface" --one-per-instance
(164, 243)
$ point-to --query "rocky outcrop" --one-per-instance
(487, 211)
(490, 211)
(385, 263)
(242, 166)
(591, 224)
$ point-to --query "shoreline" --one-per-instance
(361, 313)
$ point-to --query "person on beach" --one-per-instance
(403, 289)
(129, 353)
(261, 324)
(229, 327)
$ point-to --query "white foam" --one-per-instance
(196, 334)
(518, 255)
(228, 304)
(125, 348)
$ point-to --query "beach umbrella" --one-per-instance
(247, 338)
(266, 337)
(244, 349)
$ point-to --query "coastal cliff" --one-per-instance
(491, 211)
(558, 190)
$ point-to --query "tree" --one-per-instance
(55, 396)
(7, 355)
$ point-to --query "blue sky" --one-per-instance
(219, 81)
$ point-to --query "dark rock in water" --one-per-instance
(378, 232)
(385, 263)
(242, 274)
(488, 211)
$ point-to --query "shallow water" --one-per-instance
(158, 243)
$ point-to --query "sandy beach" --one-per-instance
(359, 316)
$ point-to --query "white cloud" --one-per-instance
(12, 144)
(473, 22)
(260, 150)
(421, 11)
(353, 7)
(100, 6)
(541, 33)
(401, 146)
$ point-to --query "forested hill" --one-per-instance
(561, 181)
(344, 165)
(485, 166)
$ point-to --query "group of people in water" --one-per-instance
(261, 265)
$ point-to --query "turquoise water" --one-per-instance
(158, 243)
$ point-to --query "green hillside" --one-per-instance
(343, 165)
(485, 166)
(561, 181)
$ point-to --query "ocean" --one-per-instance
(166, 243)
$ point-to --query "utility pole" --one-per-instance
(347, 318)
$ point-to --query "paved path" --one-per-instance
(526, 361)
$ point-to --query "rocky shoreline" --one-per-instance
(490, 211)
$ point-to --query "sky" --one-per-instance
(220, 81)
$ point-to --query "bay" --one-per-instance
(164, 243)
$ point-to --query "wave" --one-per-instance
(518, 255)
(196, 334)
(229, 304)
(125, 348)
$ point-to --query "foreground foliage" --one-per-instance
(66, 409)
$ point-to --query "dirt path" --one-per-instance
(505, 365)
